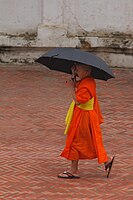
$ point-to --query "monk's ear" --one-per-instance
(88, 72)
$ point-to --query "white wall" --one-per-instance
(105, 24)
(62, 22)
(19, 16)
(95, 21)
(99, 16)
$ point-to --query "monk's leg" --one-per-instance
(72, 172)
(74, 167)
(108, 161)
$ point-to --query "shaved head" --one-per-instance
(85, 67)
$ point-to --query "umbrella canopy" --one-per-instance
(62, 59)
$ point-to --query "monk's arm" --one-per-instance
(74, 95)
(72, 85)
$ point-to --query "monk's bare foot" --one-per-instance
(68, 175)
(108, 166)
(75, 172)
(109, 160)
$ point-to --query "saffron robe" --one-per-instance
(84, 138)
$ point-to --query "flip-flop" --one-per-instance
(68, 175)
(109, 166)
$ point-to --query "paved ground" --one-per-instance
(33, 103)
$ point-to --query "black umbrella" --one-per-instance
(62, 59)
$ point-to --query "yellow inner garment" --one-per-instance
(84, 106)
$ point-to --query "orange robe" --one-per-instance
(84, 139)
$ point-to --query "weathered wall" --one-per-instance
(17, 17)
(102, 26)
(78, 21)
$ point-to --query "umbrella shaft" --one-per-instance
(74, 79)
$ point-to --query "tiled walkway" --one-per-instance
(33, 104)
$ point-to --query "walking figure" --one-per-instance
(84, 137)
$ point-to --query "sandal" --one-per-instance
(67, 175)
(109, 166)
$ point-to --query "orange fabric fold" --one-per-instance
(84, 139)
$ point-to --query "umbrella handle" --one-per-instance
(74, 79)
(73, 74)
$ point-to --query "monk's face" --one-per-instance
(82, 72)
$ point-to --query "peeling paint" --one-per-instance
(5, 49)
(118, 42)
(84, 44)
(26, 35)
(100, 33)
(101, 38)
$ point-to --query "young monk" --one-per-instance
(84, 138)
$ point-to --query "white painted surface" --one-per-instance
(53, 12)
(75, 23)
(59, 22)
(99, 15)
(65, 21)
(19, 16)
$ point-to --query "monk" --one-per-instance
(84, 137)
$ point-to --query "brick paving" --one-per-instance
(33, 104)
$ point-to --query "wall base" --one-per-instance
(114, 57)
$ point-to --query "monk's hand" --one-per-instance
(73, 89)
